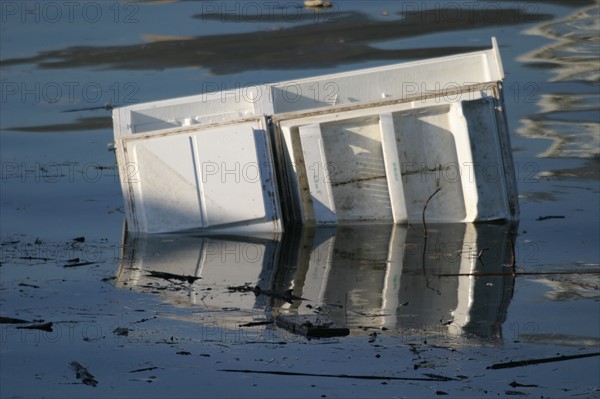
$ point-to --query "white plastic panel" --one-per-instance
(186, 180)
(356, 168)
(203, 109)
(343, 173)
(394, 81)
(393, 167)
(464, 159)
(427, 149)
(317, 173)
(385, 162)
(165, 184)
(230, 181)
(488, 169)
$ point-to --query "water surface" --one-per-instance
(415, 308)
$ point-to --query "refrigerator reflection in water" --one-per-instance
(455, 280)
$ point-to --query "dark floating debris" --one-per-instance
(105, 167)
(285, 295)
(372, 337)
(257, 323)
(144, 369)
(171, 276)
(11, 320)
(107, 107)
(43, 327)
(514, 393)
(438, 377)
(528, 362)
(83, 374)
(423, 364)
(122, 331)
(145, 320)
(515, 384)
(513, 273)
(79, 264)
(311, 326)
(241, 288)
(34, 258)
(79, 239)
(28, 285)
(540, 218)
(351, 376)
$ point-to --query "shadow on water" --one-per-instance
(329, 40)
(78, 125)
(367, 277)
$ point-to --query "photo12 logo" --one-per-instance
(54, 12)
(319, 93)
(69, 92)
(430, 12)
(57, 172)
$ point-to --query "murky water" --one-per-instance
(424, 316)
